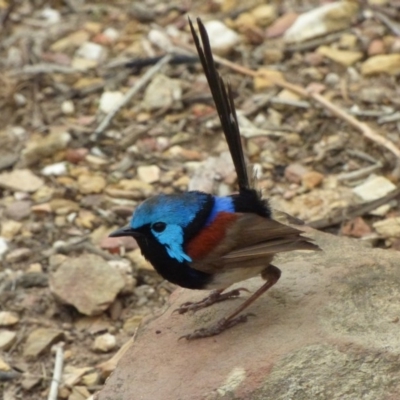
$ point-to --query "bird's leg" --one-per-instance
(271, 274)
(214, 297)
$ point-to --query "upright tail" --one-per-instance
(223, 99)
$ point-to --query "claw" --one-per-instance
(216, 329)
(214, 297)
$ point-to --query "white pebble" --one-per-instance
(67, 107)
(51, 15)
(105, 343)
(56, 169)
(148, 173)
(3, 247)
(111, 34)
(374, 188)
(20, 99)
(91, 51)
(109, 100)
(19, 132)
(222, 38)
(160, 39)
(71, 217)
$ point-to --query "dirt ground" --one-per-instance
(68, 178)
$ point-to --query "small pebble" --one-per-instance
(7, 338)
(149, 173)
(67, 107)
(222, 38)
(10, 228)
(8, 318)
(111, 34)
(109, 100)
(105, 343)
(18, 255)
(55, 169)
(332, 79)
(91, 51)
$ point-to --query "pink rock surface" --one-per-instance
(327, 330)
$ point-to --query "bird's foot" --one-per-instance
(216, 329)
(214, 297)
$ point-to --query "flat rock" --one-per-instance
(87, 282)
(8, 318)
(281, 25)
(343, 57)
(20, 254)
(389, 227)
(38, 149)
(63, 206)
(316, 204)
(18, 210)
(40, 340)
(374, 188)
(89, 184)
(162, 92)
(385, 63)
(330, 322)
(222, 38)
(7, 339)
(149, 173)
(20, 180)
(322, 20)
(264, 14)
(10, 228)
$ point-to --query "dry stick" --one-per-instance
(353, 211)
(58, 367)
(362, 127)
(131, 92)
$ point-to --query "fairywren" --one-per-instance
(201, 241)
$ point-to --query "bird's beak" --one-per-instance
(125, 231)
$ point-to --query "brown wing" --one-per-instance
(252, 240)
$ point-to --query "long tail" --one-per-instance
(223, 99)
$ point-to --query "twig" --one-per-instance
(353, 211)
(131, 92)
(251, 132)
(389, 118)
(348, 176)
(335, 110)
(362, 155)
(362, 127)
(392, 25)
(58, 367)
(108, 366)
(64, 247)
(44, 68)
(368, 113)
(292, 103)
(314, 43)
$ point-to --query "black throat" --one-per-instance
(169, 268)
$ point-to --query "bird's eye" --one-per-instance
(159, 226)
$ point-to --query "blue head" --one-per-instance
(164, 224)
(168, 220)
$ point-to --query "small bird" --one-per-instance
(200, 241)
